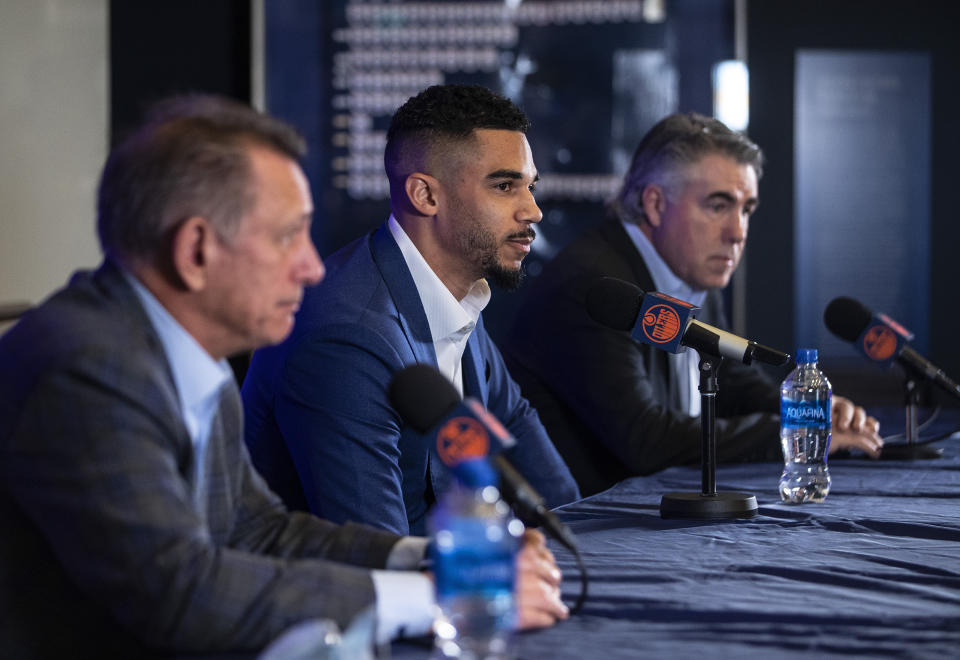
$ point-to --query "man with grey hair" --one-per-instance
(617, 408)
(133, 522)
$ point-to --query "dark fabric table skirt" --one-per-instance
(874, 571)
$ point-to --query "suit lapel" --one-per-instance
(215, 498)
(114, 286)
(620, 242)
(475, 372)
(399, 282)
(413, 321)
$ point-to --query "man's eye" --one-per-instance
(504, 186)
(532, 187)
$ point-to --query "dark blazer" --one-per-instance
(320, 426)
(103, 552)
(602, 395)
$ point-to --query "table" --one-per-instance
(874, 571)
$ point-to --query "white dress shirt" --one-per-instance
(451, 320)
(685, 364)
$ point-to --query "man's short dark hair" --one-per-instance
(189, 157)
(440, 116)
(674, 143)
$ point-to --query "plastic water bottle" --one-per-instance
(476, 539)
(805, 430)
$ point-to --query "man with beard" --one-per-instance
(319, 424)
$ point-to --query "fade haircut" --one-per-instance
(438, 118)
(188, 158)
(665, 152)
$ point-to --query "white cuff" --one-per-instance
(406, 604)
(407, 554)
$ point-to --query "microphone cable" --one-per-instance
(568, 541)
(920, 427)
(584, 580)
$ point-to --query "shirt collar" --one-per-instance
(445, 314)
(663, 278)
(196, 374)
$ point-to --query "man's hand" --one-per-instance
(538, 584)
(854, 429)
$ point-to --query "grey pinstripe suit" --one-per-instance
(103, 551)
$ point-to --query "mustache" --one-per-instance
(528, 233)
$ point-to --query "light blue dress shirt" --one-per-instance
(197, 376)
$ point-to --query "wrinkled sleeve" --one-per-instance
(98, 468)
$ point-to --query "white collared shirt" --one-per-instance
(685, 364)
(451, 321)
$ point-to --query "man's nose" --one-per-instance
(529, 212)
(737, 227)
(310, 268)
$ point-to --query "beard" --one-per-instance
(483, 247)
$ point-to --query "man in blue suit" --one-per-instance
(319, 424)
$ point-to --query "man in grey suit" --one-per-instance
(133, 522)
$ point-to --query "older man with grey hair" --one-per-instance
(617, 408)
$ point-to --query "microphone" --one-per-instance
(881, 340)
(465, 431)
(667, 323)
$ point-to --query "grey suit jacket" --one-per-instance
(604, 396)
(104, 552)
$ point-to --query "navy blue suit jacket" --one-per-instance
(320, 427)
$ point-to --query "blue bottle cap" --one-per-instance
(475, 473)
(806, 355)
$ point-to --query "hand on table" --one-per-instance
(538, 584)
(854, 429)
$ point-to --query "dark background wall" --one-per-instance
(775, 31)
(163, 46)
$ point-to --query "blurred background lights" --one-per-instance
(731, 94)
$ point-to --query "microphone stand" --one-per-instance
(911, 450)
(708, 504)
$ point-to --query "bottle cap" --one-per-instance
(806, 355)
(476, 473)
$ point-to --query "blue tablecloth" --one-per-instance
(872, 571)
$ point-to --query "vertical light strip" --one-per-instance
(731, 97)
(739, 292)
(258, 86)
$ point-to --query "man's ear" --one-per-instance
(654, 203)
(191, 245)
(422, 190)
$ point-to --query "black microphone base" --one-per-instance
(697, 506)
(908, 452)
